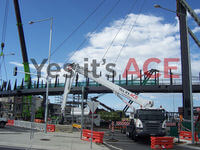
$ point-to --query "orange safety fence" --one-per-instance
(118, 127)
(186, 135)
(39, 121)
(162, 142)
(50, 128)
(97, 137)
(10, 123)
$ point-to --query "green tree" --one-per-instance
(40, 113)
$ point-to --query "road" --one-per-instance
(13, 129)
(15, 138)
(9, 130)
(14, 148)
(124, 143)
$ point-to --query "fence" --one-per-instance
(97, 137)
(10, 123)
(186, 135)
(31, 125)
(161, 142)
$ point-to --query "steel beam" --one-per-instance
(101, 89)
(185, 60)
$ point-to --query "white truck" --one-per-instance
(147, 120)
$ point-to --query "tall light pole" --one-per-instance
(47, 78)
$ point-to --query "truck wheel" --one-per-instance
(134, 137)
(2, 124)
(128, 134)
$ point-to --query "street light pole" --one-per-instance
(47, 89)
(47, 78)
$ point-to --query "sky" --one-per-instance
(117, 30)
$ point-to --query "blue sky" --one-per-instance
(154, 30)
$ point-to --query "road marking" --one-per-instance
(112, 146)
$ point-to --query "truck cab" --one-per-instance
(147, 122)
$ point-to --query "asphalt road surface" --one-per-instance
(121, 141)
(12, 130)
(124, 143)
(12, 148)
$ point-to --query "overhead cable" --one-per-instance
(78, 27)
(94, 30)
(131, 9)
(130, 30)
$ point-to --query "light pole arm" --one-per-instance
(31, 22)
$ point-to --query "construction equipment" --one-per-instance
(146, 120)
(147, 75)
(27, 100)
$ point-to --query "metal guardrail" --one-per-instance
(29, 125)
(119, 82)
(92, 83)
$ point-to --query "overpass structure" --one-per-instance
(56, 88)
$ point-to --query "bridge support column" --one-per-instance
(185, 61)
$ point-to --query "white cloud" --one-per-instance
(16, 64)
(196, 29)
(197, 11)
(151, 38)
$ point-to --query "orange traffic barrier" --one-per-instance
(10, 123)
(50, 128)
(39, 121)
(161, 142)
(97, 137)
(186, 135)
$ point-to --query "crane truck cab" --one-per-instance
(147, 122)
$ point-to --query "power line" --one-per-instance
(96, 27)
(5, 69)
(3, 38)
(5, 21)
(130, 31)
(132, 7)
(78, 27)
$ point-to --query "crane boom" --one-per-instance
(119, 91)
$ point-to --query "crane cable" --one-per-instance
(3, 39)
(131, 8)
(130, 31)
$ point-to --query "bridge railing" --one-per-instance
(195, 81)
